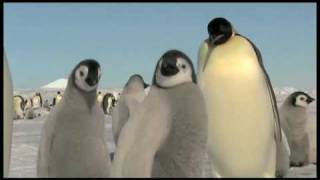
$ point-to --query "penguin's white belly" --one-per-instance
(240, 120)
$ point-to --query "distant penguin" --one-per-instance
(243, 120)
(99, 97)
(293, 116)
(18, 107)
(72, 141)
(46, 105)
(30, 113)
(108, 103)
(7, 115)
(132, 93)
(57, 98)
(37, 101)
(166, 135)
(27, 104)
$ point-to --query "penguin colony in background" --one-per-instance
(227, 112)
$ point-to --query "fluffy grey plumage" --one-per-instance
(166, 135)
(132, 95)
(72, 141)
(294, 119)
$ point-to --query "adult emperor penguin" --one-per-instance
(18, 107)
(108, 103)
(72, 141)
(166, 135)
(243, 118)
(293, 116)
(7, 115)
(37, 100)
(133, 94)
(99, 97)
(57, 98)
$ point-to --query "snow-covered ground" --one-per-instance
(26, 136)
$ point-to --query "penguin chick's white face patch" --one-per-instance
(81, 74)
(301, 101)
(183, 75)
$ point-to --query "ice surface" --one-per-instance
(26, 135)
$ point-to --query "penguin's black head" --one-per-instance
(58, 92)
(86, 75)
(220, 30)
(300, 99)
(173, 68)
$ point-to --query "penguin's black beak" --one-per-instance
(93, 75)
(220, 30)
(310, 100)
(169, 67)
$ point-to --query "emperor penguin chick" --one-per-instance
(132, 94)
(72, 140)
(243, 120)
(166, 135)
(293, 116)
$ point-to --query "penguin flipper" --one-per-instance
(270, 91)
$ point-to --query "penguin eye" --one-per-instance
(183, 66)
(81, 73)
(301, 98)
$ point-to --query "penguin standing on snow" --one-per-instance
(293, 116)
(243, 120)
(108, 103)
(166, 135)
(29, 109)
(99, 97)
(72, 141)
(57, 99)
(132, 94)
(18, 102)
(37, 100)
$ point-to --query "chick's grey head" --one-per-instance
(173, 68)
(300, 99)
(136, 81)
(86, 75)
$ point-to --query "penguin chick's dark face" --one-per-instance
(87, 75)
(301, 99)
(220, 30)
(174, 68)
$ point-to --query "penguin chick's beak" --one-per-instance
(169, 67)
(310, 99)
(92, 81)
